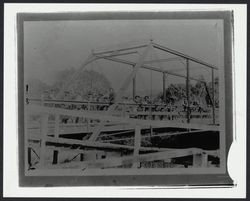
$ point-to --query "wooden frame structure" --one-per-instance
(112, 54)
(108, 116)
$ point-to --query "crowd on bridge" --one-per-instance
(98, 101)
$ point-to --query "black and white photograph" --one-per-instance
(124, 96)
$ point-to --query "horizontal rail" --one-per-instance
(153, 136)
(184, 56)
(93, 103)
(120, 49)
(126, 160)
(99, 145)
(162, 60)
(118, 54)
(96, 115)
(150, 68)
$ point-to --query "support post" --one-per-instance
(55, 157)
(134, 87)
(44, 132)
(164, 88)
(57, 120)
(137, 144)
(187, 92)
(81, 157)
(200, 160)
(213, 98)
(121, 91)
(29, 156)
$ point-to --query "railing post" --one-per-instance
(134, 87)
(42, 100)
(200, 160)
(29, 157)
(44, 133)
(137, 144)
(213, 98)
(81, 157)
(88, 118)
(57, 128)
(187, 92)
(164, 88)
(55, 157)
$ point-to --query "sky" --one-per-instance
(51, 46)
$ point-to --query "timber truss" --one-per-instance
(108, 116)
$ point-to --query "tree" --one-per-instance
(84, 83)
(36, 87)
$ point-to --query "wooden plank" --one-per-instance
(157, 135)
(120, 49)
(99, 145)
(187, 92)
(115, 161)
(150, 67)
(154, 123)
(184, 56)
(44, 132)
(213, 97)
(164, 87)
(137, 144)
(57, 119)
(118, 97)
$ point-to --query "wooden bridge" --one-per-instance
(121, 118)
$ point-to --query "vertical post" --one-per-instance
(134, 87)
(200, 160)
(213, 98)
(151, 133)
(44, 132)
(137, 144)
(27, 94)
(88, 118)
(42, 100)
(57, 119)
(29, 156)
(204, 162)
(55, 157)
(187, 92)
(164, 87)
(81, 157)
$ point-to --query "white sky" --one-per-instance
(50, 46)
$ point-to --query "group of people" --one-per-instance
(97, 102)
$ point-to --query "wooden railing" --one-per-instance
(136, 159)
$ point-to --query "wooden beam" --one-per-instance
(162, 60)
(94, 115)
(122, 90)
(157, 135)
(130, 63)
(132, 75)
(213, 97)
(115, 161)
(119, 49)
(137, 144)
(184, 56)
(164, 87)
(115, 54)
(187, 92)
(57, 126)
(134, 87)
(98, 145)
(44, 132)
